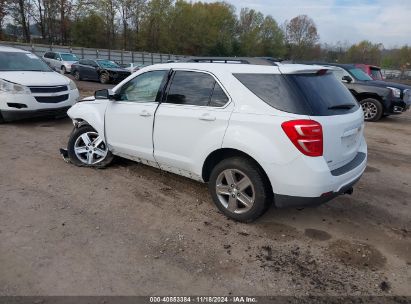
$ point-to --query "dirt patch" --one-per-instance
(358, 255)
(318, 235)
(135, 230)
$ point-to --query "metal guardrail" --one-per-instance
(118, 56)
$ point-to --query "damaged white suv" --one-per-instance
(288, 134)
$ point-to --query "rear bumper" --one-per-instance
(286, 201)
(308, 181)
(18, 115)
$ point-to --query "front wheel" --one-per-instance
(63, 70)
(240, 189)
(87, 148)
(372, 109)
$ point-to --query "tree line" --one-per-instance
(180, 27)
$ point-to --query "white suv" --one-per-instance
(291, 134)
(28, 87)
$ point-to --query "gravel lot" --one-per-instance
(134, 230)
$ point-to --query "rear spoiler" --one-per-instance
(303, 69)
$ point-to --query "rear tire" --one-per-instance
(63, 70)
(240, 189)
(1, 118)
(104, 78)
(372, 109)
(86, 149)
(77, 76)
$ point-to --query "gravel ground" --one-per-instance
(134, 230)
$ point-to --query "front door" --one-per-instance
(129, 120)
(191, 122)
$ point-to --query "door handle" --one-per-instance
(145, 113)
(207, 117)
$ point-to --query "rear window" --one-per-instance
(376, 74)
(306, 94)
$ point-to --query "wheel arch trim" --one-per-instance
(223, 153)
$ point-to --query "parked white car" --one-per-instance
(291, 134)
(29, 87)
(61, 62)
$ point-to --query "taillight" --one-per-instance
(306, 135)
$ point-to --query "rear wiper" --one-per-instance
(342, 106)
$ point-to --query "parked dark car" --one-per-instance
(377, 98)
(102, 70)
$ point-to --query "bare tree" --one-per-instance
(20, 13)
(125, 8)
(301, 36)
(4, 8)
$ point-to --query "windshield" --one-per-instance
(359, 74)
(18, 61)
(69, 57)
(107, 64)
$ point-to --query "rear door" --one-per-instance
(129, 120)
(190, 122)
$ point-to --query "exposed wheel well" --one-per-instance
(218, 155)
(367, 95)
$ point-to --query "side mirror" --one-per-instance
(106, 94)
(347, 79)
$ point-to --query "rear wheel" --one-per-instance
(87, 148)
(63, 70)
(239, 189)
(1, 118)
(104, 78)
(372, 109)
(77, 75)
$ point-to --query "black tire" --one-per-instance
(77, 132)
(1, 118)
(263, 195)
(63, 70)
(77, 75)
(104, 78)
(371, 103)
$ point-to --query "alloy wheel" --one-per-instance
(77, 75)
(90, 148)
(370, 110)
(235, 191)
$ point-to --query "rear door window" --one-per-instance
(306, 94)
(195, 88)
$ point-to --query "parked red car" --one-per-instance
(372, 70)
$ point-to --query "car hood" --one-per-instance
(29, 78)
(384, 84)
(116, 70)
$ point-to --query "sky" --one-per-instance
(380, 21)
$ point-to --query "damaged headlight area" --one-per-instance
(13, 88)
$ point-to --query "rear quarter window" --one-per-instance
(306, 94)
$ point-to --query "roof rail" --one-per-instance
(235, 60)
